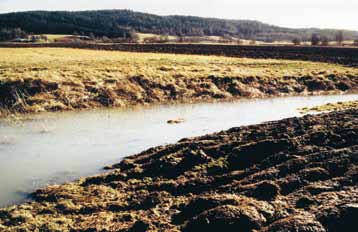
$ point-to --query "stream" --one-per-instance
(53, 148)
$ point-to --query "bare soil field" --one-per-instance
(297, 174)
(56, 79)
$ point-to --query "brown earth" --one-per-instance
(297, 174)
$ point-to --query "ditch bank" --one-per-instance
(29, 95)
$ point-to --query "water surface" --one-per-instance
(58, 147)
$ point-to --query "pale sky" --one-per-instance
(340, 14)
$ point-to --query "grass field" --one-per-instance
(48, 79)
(74, 64)
(53, 37)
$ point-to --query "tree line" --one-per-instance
(323, 40)
(122, 24)
(10, 34)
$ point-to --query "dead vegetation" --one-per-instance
(56, 79)
(331, 107)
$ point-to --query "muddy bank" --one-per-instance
(297, 174)
(29, 95)
(339, 55)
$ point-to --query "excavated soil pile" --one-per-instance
(297, 174)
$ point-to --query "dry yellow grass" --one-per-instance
(72, 64)
(50, 79)
(331, 107)
(53, 37)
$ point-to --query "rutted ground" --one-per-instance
(54, 79)
(297, 174)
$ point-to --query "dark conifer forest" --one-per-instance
(121, 23)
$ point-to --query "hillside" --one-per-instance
(120, 23)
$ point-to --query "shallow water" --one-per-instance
(58, 147)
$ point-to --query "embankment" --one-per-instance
(55, 79)
(297, 174)
(38, 95)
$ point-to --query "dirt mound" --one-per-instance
(297, 174)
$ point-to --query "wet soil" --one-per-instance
(297, 174)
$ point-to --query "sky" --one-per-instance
(339, 14)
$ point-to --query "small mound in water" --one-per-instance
(297, 174)
(176, 121)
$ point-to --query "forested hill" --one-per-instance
(119, 23)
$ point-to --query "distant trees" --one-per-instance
(44, 37)
(105, 39)
(132, 36)
(10, 34)
(339, 37)
(120, 23)
(18, 35)
(355, 42)
(92, 36)
(315, 39)
(324, 41)
(37, 38)
(296, 41)
(34, 38)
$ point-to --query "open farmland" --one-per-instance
(53, 79)
(339, 55)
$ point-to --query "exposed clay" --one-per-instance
(297, 174)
